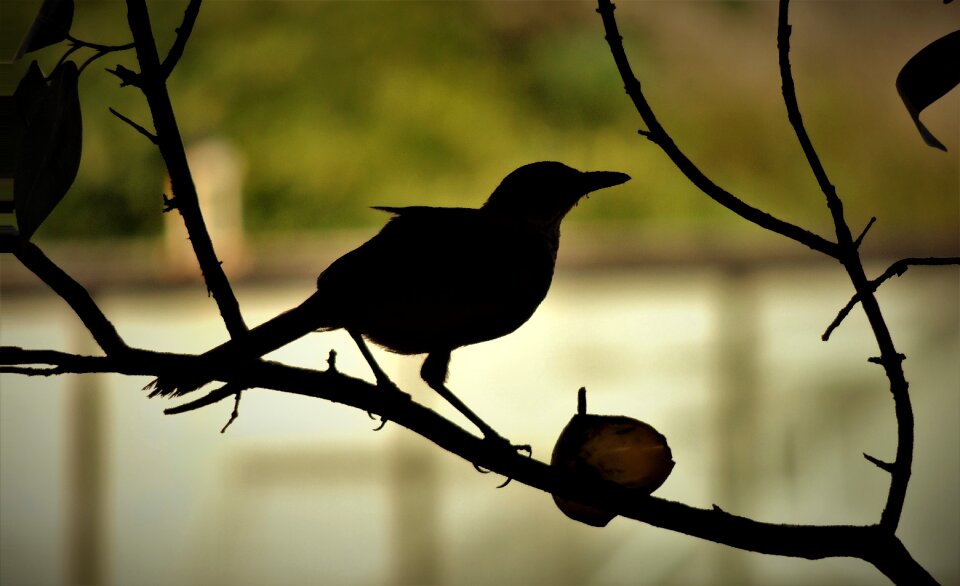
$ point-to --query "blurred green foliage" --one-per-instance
(337, 106)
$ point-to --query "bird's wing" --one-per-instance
(441, 272)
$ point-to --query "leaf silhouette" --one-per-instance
(49, 151)
(15, 112)
(927, 77)
(29, 91)
(51, 26)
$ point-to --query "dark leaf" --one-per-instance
(49, 152)
(15, 110)
(927, 77)
(29, 91)
(10, 130)
(51, 26)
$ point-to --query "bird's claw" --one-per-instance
(500, 443)
(392, 393)
(383, 422)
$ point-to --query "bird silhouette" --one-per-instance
(432, 280)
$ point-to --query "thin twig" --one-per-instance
(885, 466)
(150, 136)
(841, 315)
(99, 47)
(863, 233)
(64, 57)
(900, 267)
(233, 414)
(183, 34)
(214, 396)
(897, 269)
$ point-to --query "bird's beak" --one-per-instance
(594, 180)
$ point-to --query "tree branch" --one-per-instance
(656, 133)
(150, 136)
(152, 80)
(74, 294)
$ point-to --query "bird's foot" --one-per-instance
(503, 446)
(392, 394)
(502, 442)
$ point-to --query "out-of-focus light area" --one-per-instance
(299, 116)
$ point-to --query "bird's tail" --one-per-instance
(231, 356)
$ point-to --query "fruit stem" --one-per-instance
(582, 401)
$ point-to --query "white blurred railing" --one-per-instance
(97, 486)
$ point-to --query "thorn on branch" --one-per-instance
(332, 361)
(880, 360)
(127, 76)
(150, 136)
(169, 203)
(885, 466)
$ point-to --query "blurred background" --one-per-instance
(300, 115)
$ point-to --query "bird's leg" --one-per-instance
(434, 373)
(381, 376)
(382, 379)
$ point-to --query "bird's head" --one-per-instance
(543, 193)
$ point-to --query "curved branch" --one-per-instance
(74, 294)
(656, 133)
(100, 48)
(784, 29)
(849, 256)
